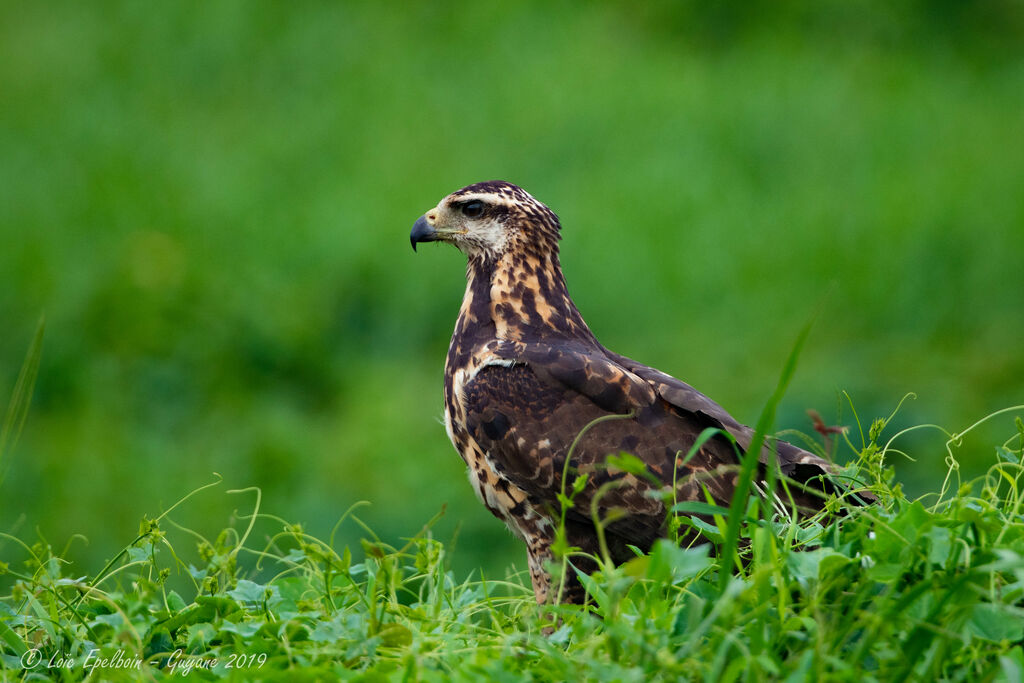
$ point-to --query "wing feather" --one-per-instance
(526, 416)
(794, 462)
(615, 384)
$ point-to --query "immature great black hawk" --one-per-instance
(525, 375)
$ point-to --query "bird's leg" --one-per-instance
(549, 589)
(538, 554)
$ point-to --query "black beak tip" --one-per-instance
(422, 231)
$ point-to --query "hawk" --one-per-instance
(525, 379)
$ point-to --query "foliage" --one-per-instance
(929, 589)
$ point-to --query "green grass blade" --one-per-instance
(17, 409)
(750, 458)
(12, 639)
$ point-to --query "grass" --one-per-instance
(927, 589)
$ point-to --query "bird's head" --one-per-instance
(489, 220)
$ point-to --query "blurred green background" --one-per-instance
(210, 202)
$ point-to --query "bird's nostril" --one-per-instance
(431, 217)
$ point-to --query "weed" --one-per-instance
(928, 589)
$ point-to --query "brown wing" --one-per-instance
(527, 416)
(794, 462)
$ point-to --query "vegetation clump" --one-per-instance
(927, 589)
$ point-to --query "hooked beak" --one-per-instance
(422, 231)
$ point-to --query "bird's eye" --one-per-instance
(473, 209)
